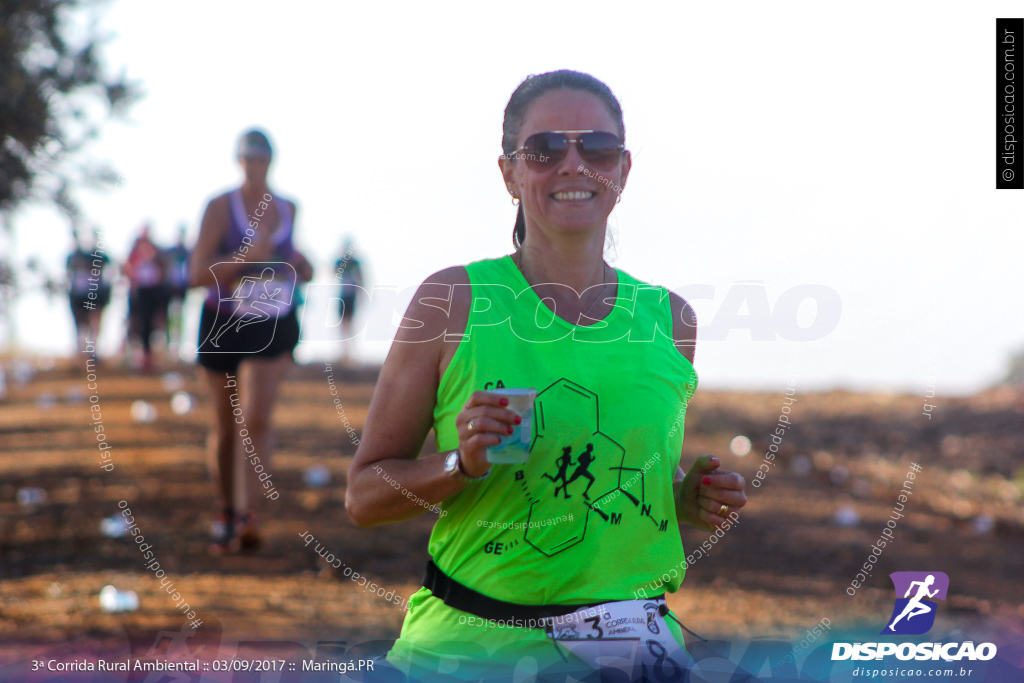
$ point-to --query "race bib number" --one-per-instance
(628, 635)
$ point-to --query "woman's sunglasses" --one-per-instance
(598, 148)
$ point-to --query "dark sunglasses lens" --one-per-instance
(545, 148)
(600, 148)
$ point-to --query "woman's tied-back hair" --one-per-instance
(528, 91)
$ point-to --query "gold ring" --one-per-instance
(722, 510)
(470, 427)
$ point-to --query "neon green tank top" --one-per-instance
(591, 516)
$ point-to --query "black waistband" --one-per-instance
(462, 597)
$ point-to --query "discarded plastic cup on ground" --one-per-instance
(181, 403)
(515, 447)
(113, 600)
(31, 496)
(143, 412)
(114, 527)
(317, 476)
(846, 516)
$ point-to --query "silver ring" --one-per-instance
(471, 427)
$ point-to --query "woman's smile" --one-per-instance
(573, 195)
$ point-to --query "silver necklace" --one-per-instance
(604, 282)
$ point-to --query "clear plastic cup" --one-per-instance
(113, 600)
(515, 448)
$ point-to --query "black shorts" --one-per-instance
(146, 302)
(82, 305)
(347, 307)
(267, 339)
(102, 297)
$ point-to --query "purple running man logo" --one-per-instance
(914, 612)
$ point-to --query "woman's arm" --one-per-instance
(684, 326)
(211, 234)
(402, 413)
(700, 493)
(303, 268)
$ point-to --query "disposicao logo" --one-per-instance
(914, 614)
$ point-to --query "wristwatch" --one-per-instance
(453, 468)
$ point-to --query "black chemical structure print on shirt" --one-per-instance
(568, 414)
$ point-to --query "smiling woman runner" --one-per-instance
(611, 384)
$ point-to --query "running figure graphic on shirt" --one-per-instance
(256, 303)
(583, 469)
(914, 607)
(563, 462)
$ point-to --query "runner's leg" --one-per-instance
(348, 311)
(80, 315)
(149, 305)
(95, 318)
(260, 380)
(918, 610)
(221, 439)
(906, 609)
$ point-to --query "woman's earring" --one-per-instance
(618, 199)
(515, 200)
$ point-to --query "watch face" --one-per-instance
(451, 463)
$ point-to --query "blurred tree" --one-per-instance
(54, 93)
(1015, 375)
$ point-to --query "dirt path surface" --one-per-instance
(783, 569)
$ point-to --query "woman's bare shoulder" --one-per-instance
(439, 307)
(452, 275)
(684, 326)
(220, 200)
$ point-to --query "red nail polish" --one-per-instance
(503, 401)
(519, 420)
(511, 429)
(706, 480)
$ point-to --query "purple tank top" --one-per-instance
(226, 295)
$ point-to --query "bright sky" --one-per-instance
(774, 145)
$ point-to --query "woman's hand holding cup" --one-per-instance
(483, 422)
